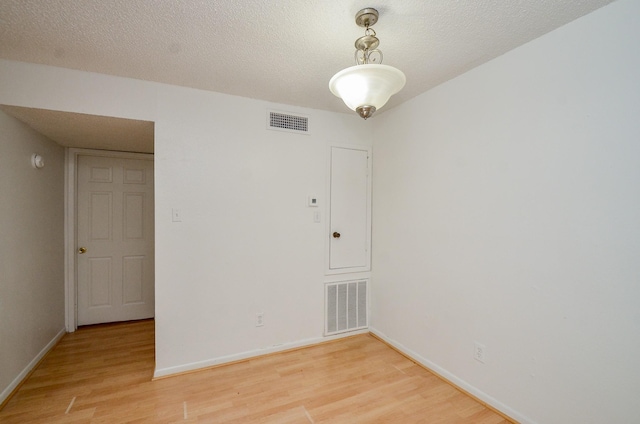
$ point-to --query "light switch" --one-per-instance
(316, 216)
(312, 201)
(176, 215)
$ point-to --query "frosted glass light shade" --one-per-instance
(367, 85)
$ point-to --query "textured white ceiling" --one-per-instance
(87, 131)
(283, 51)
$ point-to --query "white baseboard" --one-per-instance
(193, 366)
(25, 372)
(494, 403)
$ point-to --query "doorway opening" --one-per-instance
(109, 238)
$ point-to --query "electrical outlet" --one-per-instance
(479, 351)
(260, 319)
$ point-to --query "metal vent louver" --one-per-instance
(287, 122)
(346, 307)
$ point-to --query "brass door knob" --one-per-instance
(82, 250)
(336, 234)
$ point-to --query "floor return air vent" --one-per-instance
(346, 306)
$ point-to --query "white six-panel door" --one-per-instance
(115, 239)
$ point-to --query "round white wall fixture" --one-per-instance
(37, 161)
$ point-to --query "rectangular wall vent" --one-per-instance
(287, 122)
(346, 307)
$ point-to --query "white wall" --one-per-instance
(507, 211)
(247, 243)
(31, 250)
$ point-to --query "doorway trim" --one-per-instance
(70, 225)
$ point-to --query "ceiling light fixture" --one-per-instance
(367, 86)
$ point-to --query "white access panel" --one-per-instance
(349, 232)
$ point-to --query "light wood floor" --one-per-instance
(102, 374)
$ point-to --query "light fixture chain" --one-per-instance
(365, 57)
(366, 48)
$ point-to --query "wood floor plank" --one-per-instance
(103, 374)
